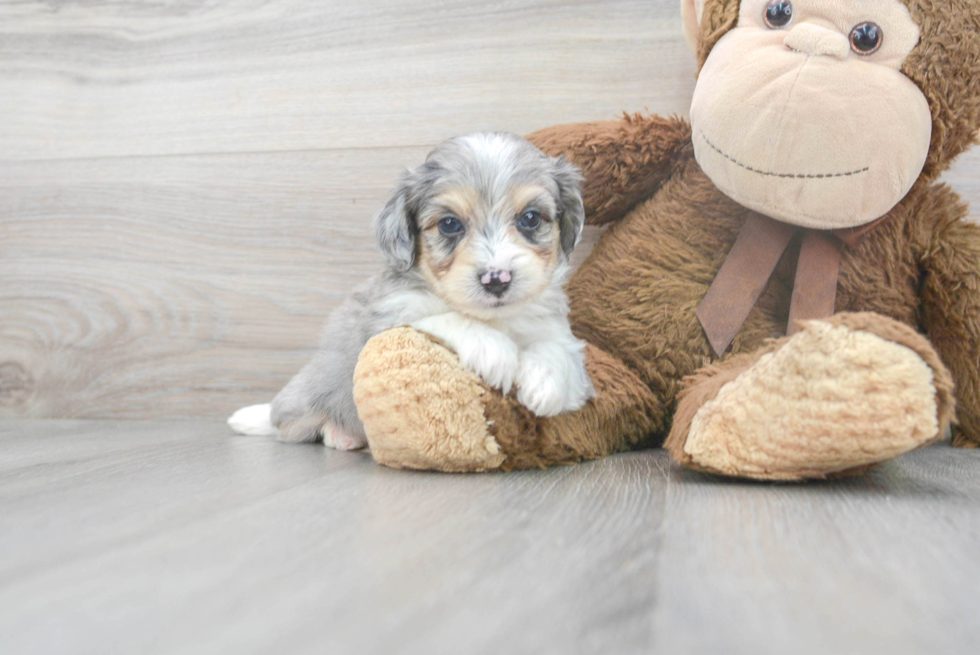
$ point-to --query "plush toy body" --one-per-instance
(872, 381)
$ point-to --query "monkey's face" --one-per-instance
(801, 112)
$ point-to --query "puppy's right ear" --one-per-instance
(395, 228)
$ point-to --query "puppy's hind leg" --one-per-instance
(305, 429)
(292, 410)
(303, 416)
(314, 427)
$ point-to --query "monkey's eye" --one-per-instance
(779, 13)
(529, 220)
(866, 38)
(450, 226)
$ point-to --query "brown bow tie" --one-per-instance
(752, 260)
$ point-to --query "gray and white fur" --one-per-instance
(476, 242)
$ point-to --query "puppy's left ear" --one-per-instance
(571, 220)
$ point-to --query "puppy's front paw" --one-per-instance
(539, 389)
(494, 358)
(489, 353)
(551, 381)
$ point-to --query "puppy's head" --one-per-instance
(489, 220)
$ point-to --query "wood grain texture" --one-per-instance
(882, 563)
(103, 78)
(176, 537)
(186, 188)
(160, 286)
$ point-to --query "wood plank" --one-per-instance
(178, 286)
(170, 286)
(105, 79)
(883, 563)
(176, 537)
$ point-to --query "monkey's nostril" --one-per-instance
(495, 282)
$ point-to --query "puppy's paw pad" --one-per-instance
(253, 420)
(338, 438)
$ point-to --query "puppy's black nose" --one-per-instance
(495, 282)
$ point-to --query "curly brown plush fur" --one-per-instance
(634, 299)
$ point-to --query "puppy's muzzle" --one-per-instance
(495, 282)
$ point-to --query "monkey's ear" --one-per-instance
(571, 219)
(691, 12)
(395, 228)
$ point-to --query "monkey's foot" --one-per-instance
(420, 408)
(839, 396)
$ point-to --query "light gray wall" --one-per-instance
(185, 187)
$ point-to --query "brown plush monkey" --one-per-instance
(802, 196)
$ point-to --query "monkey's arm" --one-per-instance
(624, 161)
(951, 310)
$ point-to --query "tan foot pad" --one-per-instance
(831, 398)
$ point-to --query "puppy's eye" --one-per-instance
(529, 220)
(451, 226)
(779, 14)
(866, 38)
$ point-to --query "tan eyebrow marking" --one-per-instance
(533, 194)
(462, 201)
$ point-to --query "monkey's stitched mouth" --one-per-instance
(798, 176)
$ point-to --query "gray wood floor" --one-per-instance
(176, 537)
